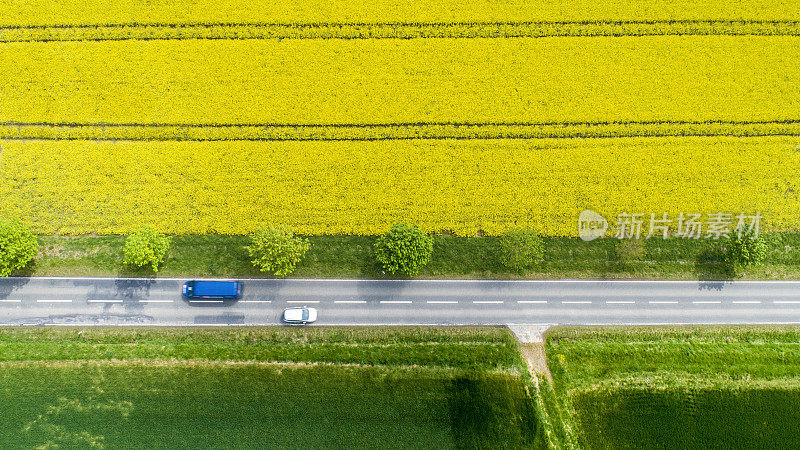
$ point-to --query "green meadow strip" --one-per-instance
(394, 30)
(489, 349)
(656, 382)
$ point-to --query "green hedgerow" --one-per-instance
(404, 249)
(521, 249)
(145, 248)
(276, 250)
(18, 247)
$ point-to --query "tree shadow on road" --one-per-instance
(711, 269)
(9, 285)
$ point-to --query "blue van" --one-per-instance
(212, 289)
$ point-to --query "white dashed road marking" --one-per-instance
(487, 302)
(396, 301)
(53, 301)
(575, 303)
(350, 301)
(104, 301)
(620, 302)
(531, 301)
(448, 302)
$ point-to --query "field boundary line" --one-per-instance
(397, 30)
(379, 132)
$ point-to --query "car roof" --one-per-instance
(296, 313)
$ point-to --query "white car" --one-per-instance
(299, 314)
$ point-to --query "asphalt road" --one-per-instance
(108, 301)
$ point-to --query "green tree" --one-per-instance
(276, 250)
(521, 249)
(742, 249)
(404, 249)
(145, 248)
(18, 247)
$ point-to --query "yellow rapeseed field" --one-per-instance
(465, 186)
(323, 81)
(341, 116)
(49, 12)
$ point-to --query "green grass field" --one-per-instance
(218, 405)
(265, 387)
(693, 387)
(724, 416)
(453, 257)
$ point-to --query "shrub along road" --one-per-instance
(158, 301)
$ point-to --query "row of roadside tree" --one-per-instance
(402, 251)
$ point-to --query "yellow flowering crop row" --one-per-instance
(524, 80)
(363, 187)
(396, 31)
(388, 132)
(60, 12)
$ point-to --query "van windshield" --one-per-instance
(305, 314)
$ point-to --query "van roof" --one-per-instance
(213, 288)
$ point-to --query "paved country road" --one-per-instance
(157, 301)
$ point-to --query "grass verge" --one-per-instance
(453, 257)
(266, 387)
(476, 349)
